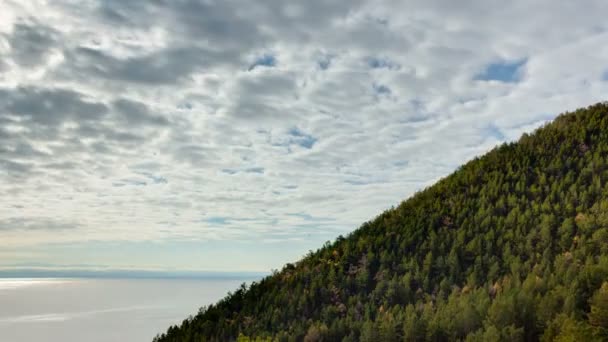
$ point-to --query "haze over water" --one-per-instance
(54, 309)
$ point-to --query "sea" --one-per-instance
(101, 310)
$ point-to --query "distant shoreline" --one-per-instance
(129, 274)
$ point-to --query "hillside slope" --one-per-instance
(512, 246)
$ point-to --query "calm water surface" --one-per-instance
(101, 309)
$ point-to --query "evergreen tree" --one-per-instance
(513, 246)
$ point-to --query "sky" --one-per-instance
(186, 135)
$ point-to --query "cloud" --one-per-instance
(215, 121)
(136, 113)
(13, 168)
(166, 66)
(48, 107)
(260, 95)
(35, 223)
(32, 43)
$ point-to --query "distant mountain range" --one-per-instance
(513, 246)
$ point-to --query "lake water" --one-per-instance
(97, 310)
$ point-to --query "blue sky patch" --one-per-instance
(302, 139)
(185, 105)
(153, 178)
(135, 182)
(356, 182)
(310, 218)
(493, 131)
(605, 76)
(217, 220)
(324, 62)
(265, 60)
(255, 170)
(401, 163)
(379, 63)
(507, 71)
(381, 89)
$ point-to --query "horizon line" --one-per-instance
(130, 274)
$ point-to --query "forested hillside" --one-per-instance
(513, 246)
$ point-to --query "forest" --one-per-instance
(512, 246)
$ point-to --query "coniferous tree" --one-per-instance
(513, 246)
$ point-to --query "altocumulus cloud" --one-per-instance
(218, 120)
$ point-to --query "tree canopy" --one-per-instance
(513, 246)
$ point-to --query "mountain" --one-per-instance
(513, 246)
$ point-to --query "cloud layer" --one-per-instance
(280, 122)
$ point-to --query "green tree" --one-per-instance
(598, 316)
